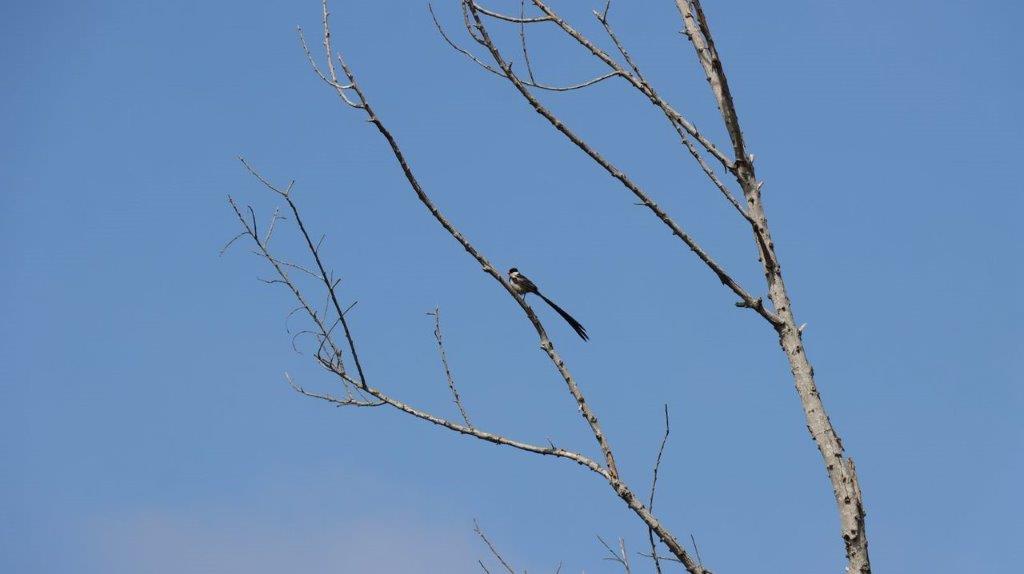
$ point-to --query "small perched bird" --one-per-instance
(523, 285)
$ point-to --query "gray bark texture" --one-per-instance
(841, 470)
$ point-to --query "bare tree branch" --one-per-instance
(360, 385)
(696, 550)
(654, 486)
(646, 90)
(545, 343)
(532, 83)
(841, 470)
(609, 472)
(444, 362)
(285, 279)
(330, 287)
(522, 41)
(602, 17)
(494, 551)
(348, 401)
(746, 299)
(230, 242)
(620, 557)
(519, 20)
(472, 431)
(700, 36)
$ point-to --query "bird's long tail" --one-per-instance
(576, 326)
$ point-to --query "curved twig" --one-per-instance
(532, 83)
(513, 19)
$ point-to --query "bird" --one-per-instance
(522, 285)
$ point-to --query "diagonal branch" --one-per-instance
(545, 342)
(672, 114)
(494, 551)
(444, 363)
(315, 252)
(360, 386)
(746, 299)
(679, 123)
(285, 279)
(494, 438)
(602, 17)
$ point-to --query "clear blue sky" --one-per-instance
(145, 425)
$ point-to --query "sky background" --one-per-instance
(145, 425)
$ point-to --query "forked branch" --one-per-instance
(358, 391)
(746, 299)
(350, 91)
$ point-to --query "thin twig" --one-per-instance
(532, 83)
(330, 286)
(621, 557)
(696, 550)
(282, 274)
(522, 41)
(494, 438)
(444, 362)
(654, 486)
(684, 138)
(347, 401)
(273, 223)
(231, 241)
(646, 90)
(494, 551)
(333, 80)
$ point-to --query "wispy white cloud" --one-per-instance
(177, 543)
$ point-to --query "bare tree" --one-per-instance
(337, 352)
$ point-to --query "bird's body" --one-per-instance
(522, 284)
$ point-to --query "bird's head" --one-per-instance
(513, 270)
